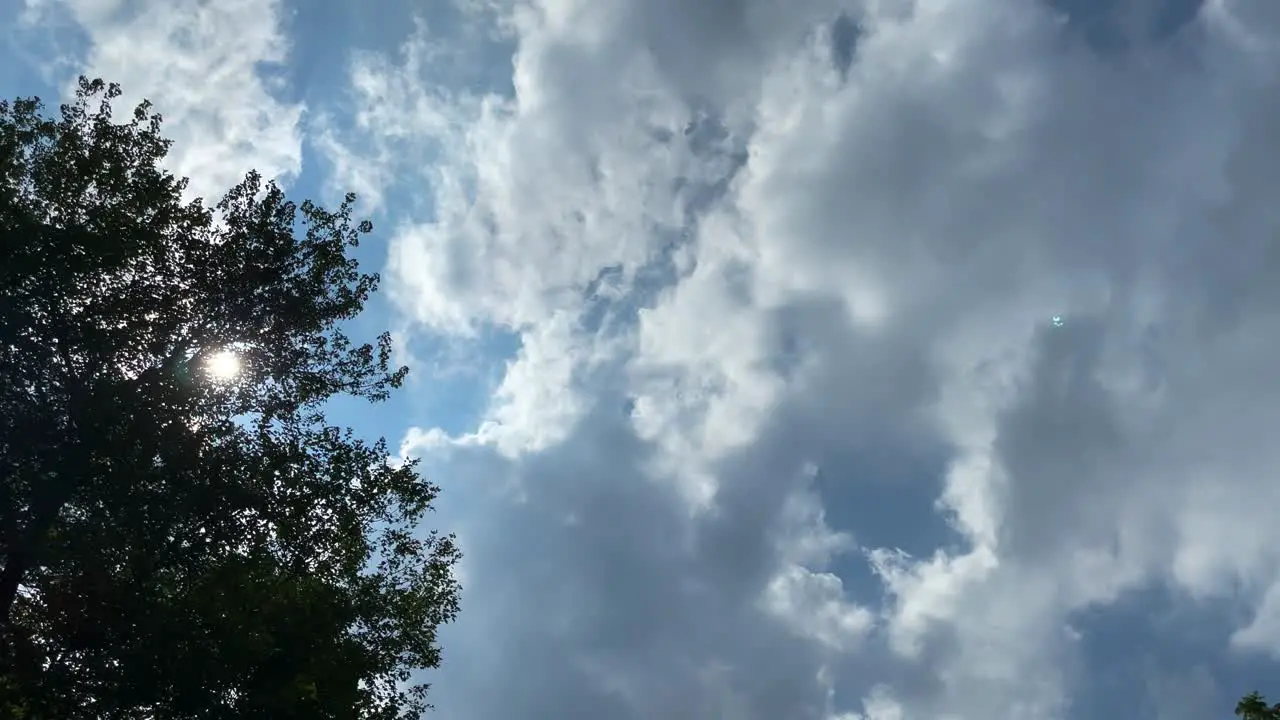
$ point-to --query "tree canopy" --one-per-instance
(1254, 707)
(178, 542)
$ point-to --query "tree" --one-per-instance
(1254, 707)
(177, 544)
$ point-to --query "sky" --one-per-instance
(731, 327)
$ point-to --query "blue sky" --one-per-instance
(731, 330)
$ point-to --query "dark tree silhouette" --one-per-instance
(174, 544)
(1254, 707)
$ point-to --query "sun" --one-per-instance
(224, 365)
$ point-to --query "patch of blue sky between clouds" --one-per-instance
(1113, 28)
(451, 378)
(37, 52)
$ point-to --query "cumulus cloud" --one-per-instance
(859, 268)
(207, 67)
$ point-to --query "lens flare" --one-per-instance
(224, 365)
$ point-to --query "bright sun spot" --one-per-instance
(224, 365)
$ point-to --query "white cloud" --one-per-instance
(803, 593)
(539, 400)
(879, 706)
(202, 65)
(1263, 630)
(882, 270)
